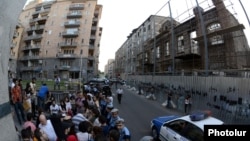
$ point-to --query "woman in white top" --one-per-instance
(54, 108)
(84, 134)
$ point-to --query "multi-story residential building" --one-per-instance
(109, 69)
(14, 47)
(208, 40)
(62, 37)
(126, 57)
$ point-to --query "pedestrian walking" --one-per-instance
(119, 93)
(187, 104)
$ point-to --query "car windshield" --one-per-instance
(186, 129)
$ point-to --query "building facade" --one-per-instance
(109, 69)
(14, 48)
(208, 40)
(61, 38)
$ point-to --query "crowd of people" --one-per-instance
(87, 115)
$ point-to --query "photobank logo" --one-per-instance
(235, 132)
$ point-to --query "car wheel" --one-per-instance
(155, 133)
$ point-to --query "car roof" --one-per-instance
(206, 121)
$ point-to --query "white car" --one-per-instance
(185, 128)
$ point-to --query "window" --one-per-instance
(186, 130)
(180, 44)
(194, 44)
(167, 49)
(152, 55)
(146, 57)
(216, 40)
(71, 30)
(158, 52)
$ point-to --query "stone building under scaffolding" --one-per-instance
(182, 47)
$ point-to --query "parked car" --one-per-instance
(182, 128)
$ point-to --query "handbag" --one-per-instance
(26, 105)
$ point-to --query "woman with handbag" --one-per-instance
(27, 98)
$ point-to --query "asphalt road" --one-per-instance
(137, 111)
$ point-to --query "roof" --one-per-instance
(207, 121)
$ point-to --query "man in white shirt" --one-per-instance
(57, 83)
(119, 93)
(47, 127)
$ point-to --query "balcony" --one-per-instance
(26, 68)
(12, 57)
(41, 20)
(91, 47)
(189, 53)
(31, 68)
(15, 34)
(64, 67)
(93, 28)
(33, 47)
(37, 28)
(70, 34)
(33, 37)
(76, 7)
(66, 56)
(92, 37)
(72, 24)
(25, 58)
(65, 45)
(45, 11)
(90, 57)
(12, 45)
(74, 15)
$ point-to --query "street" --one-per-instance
(137, 111)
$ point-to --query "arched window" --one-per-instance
(217, 39)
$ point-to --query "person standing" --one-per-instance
(16, 96)
(113, 135)
(187, 103)
(27, 95)
(119, 93)
(124, 132)
(114, 117)
(43, 91)
(33, 96)
(57, 82)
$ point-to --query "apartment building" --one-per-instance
(131, 51)
(61, 38)
(14, 47)
(109, 69)
(184, 46)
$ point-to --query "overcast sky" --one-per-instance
(119, 18)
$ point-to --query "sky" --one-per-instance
(120, 17)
